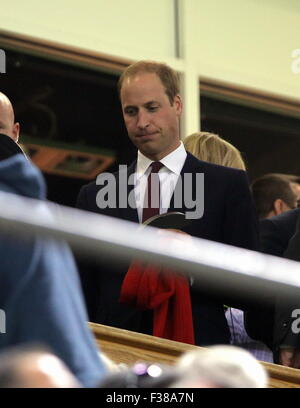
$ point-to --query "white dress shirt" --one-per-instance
(168, 177)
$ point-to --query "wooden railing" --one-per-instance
(124, 346)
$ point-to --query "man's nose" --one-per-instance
(143, 120)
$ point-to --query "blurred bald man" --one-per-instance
(8, 126)
(34, 366)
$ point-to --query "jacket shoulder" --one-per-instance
(213, 169)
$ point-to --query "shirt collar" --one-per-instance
(174, 161)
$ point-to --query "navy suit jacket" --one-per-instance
(272, 324)
(229, 217)
(276, 232)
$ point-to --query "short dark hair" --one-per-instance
(169, 78)
(267, 189)
(290, 177)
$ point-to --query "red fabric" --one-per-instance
(168, 294)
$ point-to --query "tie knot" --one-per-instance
(156, 166)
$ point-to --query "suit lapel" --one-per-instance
(129, 213)
(191, 166)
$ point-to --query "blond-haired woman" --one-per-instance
(213, 149)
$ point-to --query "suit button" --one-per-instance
(285, 324)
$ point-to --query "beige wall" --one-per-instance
(128, 28)
(248, 42)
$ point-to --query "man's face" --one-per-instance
(152, 122)
(7, 125)
(296, 189)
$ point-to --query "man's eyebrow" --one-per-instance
(129, 107)
(150, 102)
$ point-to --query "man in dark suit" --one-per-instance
(276, 232)
(152, 106)
(279, 236)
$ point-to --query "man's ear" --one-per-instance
(16, 132)
(178, 104)
(279, 206)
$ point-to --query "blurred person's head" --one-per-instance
(273, 195)
(34, 367)
(213, 149)
(141, 375)
(8, 126)
(109, 364)
(220, 367)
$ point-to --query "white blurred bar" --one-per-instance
(212, 265)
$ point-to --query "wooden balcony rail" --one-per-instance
(128, 347)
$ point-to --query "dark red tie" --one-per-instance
(157, 289)
(152, 192)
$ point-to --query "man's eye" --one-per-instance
(130, 111)
(152, 108)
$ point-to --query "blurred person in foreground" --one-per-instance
(40, 293)
(34, 367)
(220, 367)
(213, 367)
